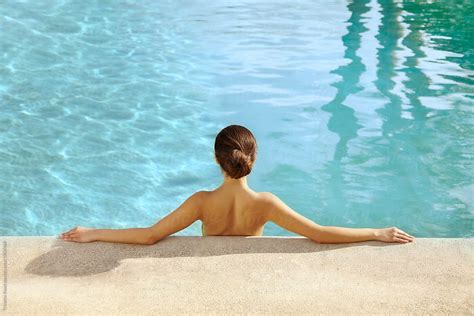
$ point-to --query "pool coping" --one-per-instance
(229, 275)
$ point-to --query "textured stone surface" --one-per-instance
(219, 275)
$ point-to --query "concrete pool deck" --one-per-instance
(229, 275)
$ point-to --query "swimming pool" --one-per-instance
(363, 110)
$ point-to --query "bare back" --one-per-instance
(233, 211)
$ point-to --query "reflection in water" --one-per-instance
(417, 83)
(390, 32)
(343, 121)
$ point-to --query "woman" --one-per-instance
(233, 209)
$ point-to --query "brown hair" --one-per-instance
(236, 150)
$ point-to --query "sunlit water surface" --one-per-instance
(363, 110)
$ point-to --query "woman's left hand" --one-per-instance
(78, 234)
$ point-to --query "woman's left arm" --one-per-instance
(186, 214)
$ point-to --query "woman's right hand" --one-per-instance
(78, 234)
(393, 234)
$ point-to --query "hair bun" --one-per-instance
(240, 159)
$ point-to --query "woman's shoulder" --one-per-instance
(267, 199)
(267, 196)
(201, 194)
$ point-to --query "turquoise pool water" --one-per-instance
(363, 110)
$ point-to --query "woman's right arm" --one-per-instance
(285, 217)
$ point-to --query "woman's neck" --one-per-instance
(231, 182)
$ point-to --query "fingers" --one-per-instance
(67, 237)
(71, 238)
(411, 238)
(402, 238)
(68, 232)
(64, 235)
(70, 235)
(402, 233)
